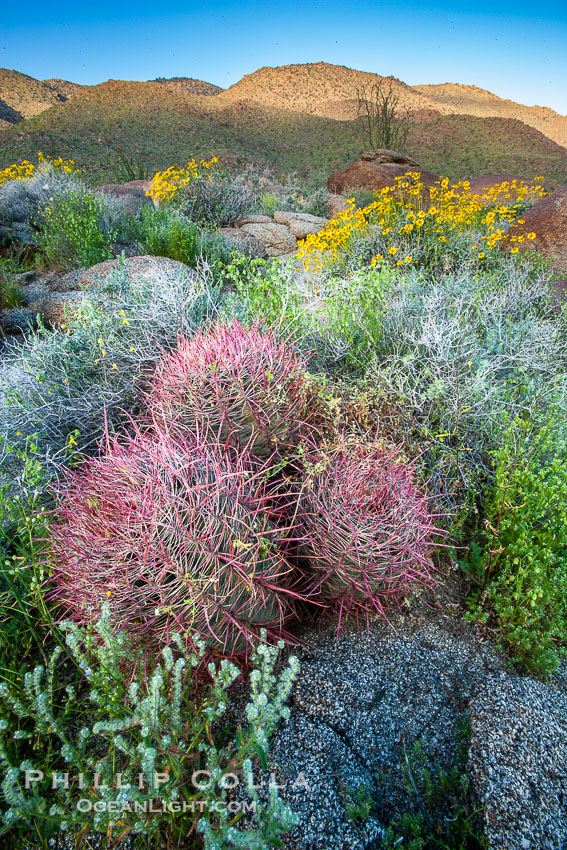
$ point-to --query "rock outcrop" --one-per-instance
(279, 235)
(518, 762)
(362, 702)
(376, 170)
(548, 220)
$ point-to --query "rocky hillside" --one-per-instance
(190, 85)
(292, 119)
(471, 100)
(330, 90)
(23, 97)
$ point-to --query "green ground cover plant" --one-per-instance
(524, 562)
(440, 811)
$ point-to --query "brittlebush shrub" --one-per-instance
(438, 229)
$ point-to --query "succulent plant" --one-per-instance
(368, 530)
(240, 382)
(179, 535)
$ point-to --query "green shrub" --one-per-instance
(525, 559)
(270, 291)
(351, 314)
(77, 229)
(166, 233)
(23, 527)
(100, 709)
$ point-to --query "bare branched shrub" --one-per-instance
(384, 121)
(217, 202)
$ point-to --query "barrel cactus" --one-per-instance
(243, 383)
(369, 532)
(178, 536)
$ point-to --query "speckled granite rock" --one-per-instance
(518, 762)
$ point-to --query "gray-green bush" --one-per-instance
(22, 200)
(66, 385)
(217, 202)
(147, 724)
(461, 354)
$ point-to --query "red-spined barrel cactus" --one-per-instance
(369, 532)
(179, 536)
(240, 382)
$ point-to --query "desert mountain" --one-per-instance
(318, 89)
(64, 88)
(295, 118)
(471, 100)
(188, 84)
(330, 90)
(23, 97)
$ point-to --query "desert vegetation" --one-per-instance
(194, 464)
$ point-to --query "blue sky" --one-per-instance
(517, 50)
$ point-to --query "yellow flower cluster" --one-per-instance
(422, 220)
(166, 184)
(26, 169)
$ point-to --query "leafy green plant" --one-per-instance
(11, 265)
(351, 311)
(76, 229)
(166, 233)
(525, 557)
(271, 292)
(359, 804)
(23, 527)
(440, 814)
(143, 751)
